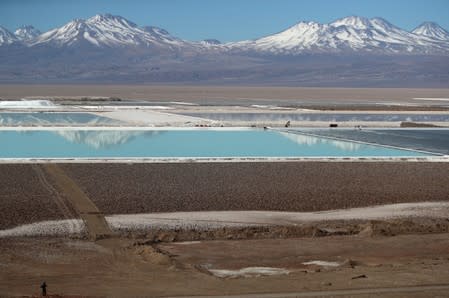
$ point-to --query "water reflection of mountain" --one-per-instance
(311, 141)
(45, 119)
(103, 139)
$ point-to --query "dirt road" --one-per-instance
(438, 290)
(92, 217)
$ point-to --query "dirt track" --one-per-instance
(86, 209)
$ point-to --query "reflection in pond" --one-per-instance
(46, 119)
(313, 141)
(103, 139)
(326, 117)
(220, 143)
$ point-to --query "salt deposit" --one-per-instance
(322, 263)
(206, 220)
(27, 104)
(248, 272)
(218, 219)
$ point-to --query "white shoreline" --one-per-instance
(201, 220)
(214, 128)
(126, 128)
(130, 160)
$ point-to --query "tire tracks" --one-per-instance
(57, 199)
(94, 220)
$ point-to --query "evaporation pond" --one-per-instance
(337, 117)
(54, 118)
(67, 143)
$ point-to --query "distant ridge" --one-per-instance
(106, 47)
(352, 33)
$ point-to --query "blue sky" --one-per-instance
(226, 20)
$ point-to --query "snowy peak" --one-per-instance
(350, 34)
(432, 30)
(111, 23)
(352, 21)
(26, 33)
(360, 23)
(6, 37)
(68, 34)
(107, 31)
(346, 35)
(111, 20)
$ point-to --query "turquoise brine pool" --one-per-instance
(195, 143)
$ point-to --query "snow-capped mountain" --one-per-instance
(6, 37)
(346, 52)
(354, 34)
(350, 34)
(26, 33)
(432, 30)
(107, 31)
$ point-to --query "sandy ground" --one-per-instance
(121, 267)
(234, 95)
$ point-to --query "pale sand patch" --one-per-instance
(248, 272)
(322, 263)
(187, 242)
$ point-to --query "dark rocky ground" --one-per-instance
(24, 198)
(289, 186)
(170, 187)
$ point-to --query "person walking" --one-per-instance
(44, 289)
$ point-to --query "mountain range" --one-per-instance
(352, 51)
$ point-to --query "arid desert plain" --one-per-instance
(114, 200)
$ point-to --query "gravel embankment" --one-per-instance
(170, 187)
(23, 198)
(289, 186)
